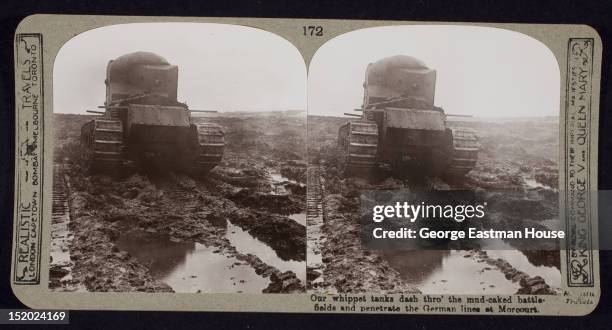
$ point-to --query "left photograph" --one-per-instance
(179, 161)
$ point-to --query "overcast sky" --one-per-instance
(221, 67)
(480, 71)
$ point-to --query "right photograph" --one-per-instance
(433, 108)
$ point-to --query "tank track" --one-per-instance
(210, 145)
(359, 143)
(103, 139)
(463, 152)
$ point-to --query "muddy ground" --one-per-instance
(259, 187)
(516, 174)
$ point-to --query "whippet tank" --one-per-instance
(400, 125)
(144, 124)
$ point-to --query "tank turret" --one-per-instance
(141, 73)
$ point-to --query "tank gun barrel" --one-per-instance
(351, 114)
(391, 100)
(112, 107)
(456, 115)
(96, 112)
(131, 98)
(205, 111)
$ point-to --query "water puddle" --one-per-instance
(532, 183)
(299, 218)
(245, 244)
(450, 271)
(551, 224)
(279, 183)
(518, 260)
(444, 272)
(191, 267)
(279, 178)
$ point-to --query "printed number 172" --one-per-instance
(313, 30)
